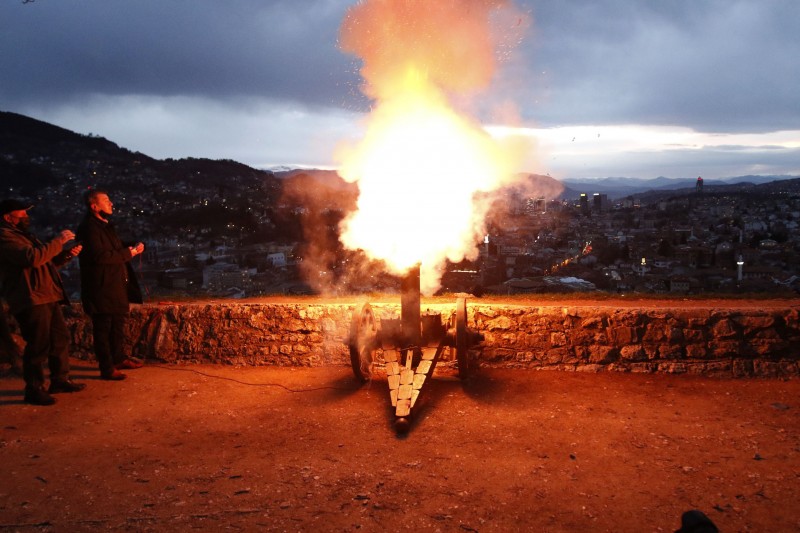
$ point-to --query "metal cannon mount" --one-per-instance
(411, 346)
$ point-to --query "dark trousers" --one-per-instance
(47, 339)
(108, 331)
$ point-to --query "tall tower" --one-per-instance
(739, 265)
(699, 185)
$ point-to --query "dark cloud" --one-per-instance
(256, 76)
(716, 65)
(278, 49)
(720, 65)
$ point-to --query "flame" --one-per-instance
(421, 164)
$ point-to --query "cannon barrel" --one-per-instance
(410, 307)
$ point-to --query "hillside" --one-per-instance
(620, 187)
(184, 196)
(54, 165)
(785, 186)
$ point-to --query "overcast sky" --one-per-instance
(606, 87)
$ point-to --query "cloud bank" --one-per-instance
(265, 82)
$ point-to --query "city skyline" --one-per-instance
(602, 89)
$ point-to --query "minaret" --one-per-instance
(739, 265)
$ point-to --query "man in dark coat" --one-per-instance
(108, 284)
(32, 287)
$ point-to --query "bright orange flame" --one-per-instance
(421, 164)
(418, 170)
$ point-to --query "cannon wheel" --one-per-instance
(363, 335)
(465, 365)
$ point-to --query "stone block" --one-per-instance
(558, 338)
(600, 354)
(632, 352)
(670, 351)
(582, 336)
(301, 349)
(673, 368)
(742, 368)
(725, 348)
(642, 368)
(724, 328)
(498, 354)
(623, 335)
(750, 323)
(524, 357)
(768, 349)
(712, 368)
(696, 351)
(502, 323)
(767, 369)
(694, 335)
(593, 322)
(554, 356)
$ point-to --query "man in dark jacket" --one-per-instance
(108, 284)
(32, 287)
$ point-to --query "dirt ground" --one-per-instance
(278, 449)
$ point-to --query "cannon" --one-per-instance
(411, 346)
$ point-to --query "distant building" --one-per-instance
(679, 285)
(536, 206)
(221, 276)
(278, 259)
(181, 278)
(600, 203)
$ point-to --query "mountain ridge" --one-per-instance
(23, 137)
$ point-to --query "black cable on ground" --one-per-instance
(247, 383)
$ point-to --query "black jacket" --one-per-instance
(108, 282)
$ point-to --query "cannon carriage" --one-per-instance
(411, 345)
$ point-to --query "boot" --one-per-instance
(38, 396)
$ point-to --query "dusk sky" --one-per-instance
(605, 87)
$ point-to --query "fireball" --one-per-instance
(421, 163)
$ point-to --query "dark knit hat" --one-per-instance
(13, 204)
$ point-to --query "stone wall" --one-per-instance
(719, 341)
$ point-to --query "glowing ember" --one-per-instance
(421, 163)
